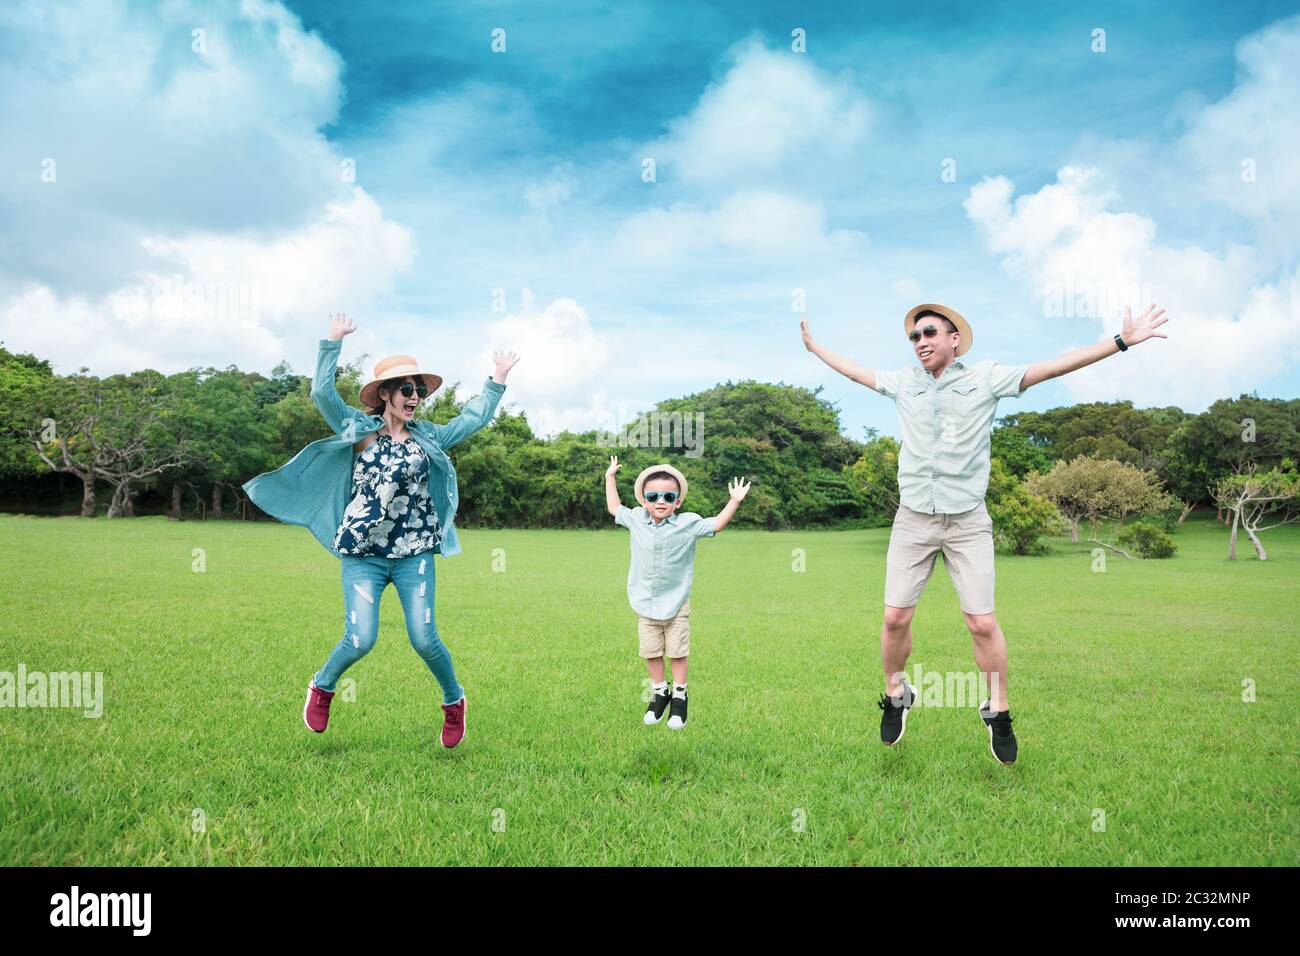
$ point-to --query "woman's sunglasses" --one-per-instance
(406, 388)
(668, 496)
(929, 332)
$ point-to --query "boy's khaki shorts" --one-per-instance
(671, 637)
(966, 541)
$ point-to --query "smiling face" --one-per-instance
(938, 350)
(659, 510)
(397, 405)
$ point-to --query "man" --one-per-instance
(945, 412)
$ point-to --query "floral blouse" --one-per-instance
(391, 514)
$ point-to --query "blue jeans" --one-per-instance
(364, 581)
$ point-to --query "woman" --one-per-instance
(381, 495)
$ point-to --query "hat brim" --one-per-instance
(641, 479)
(370, 391)
(951, 314)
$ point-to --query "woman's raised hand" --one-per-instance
(504, 362)
(340, 325)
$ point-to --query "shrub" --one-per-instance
(1020, 519)
(1148, 539)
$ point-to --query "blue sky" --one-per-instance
(498, 197)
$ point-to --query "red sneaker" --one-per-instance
(453, 725)
(316, 712)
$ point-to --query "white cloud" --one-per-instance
(1228, 329)
(763, 225)
(561, 373)
(1255, 122)
(772, 112)
(174, 166)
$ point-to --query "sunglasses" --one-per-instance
(668, 496)
(406, 388)
(929, 332)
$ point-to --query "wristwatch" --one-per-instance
(1119, 340)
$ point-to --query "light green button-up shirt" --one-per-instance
(663, 559)
(946, 424)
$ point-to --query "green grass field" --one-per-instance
(1126, 687)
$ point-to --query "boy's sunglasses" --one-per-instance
(406, 388)
(929, 332)
(668, 496)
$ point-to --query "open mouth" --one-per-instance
(410, 407)
(925, 353)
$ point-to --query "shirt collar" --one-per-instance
(649, 519)
(957, 364)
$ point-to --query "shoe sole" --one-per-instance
(304, 714)
(989, 724)
(651, 723)
(464, 723)
(906, 711)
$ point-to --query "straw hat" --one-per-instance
(909, 323)
(396, 366)
(640, 480)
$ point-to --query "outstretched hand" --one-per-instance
(738, 488)
(504, 362)
(1144, 327)
(614, 466)
(808, 342)
(340, 325)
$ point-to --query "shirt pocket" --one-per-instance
(965, 397)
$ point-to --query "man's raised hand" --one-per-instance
(614, 466)
(808, 342)
(1144, 327)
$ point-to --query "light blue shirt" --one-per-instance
(946, 424)
(663, 559)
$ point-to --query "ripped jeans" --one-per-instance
(364, 581)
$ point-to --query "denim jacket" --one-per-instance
(314, 487)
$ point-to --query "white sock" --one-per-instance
(679, 690)
(660, 687)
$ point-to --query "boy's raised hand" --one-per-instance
(738, 488)
(614, 466)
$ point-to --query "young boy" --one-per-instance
(659, 578)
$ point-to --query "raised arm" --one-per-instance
(612, 502)
(324, 393)
(478, 411)
(1135, 331)
(845, 366)
(737, 488)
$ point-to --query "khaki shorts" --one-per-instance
(966, 541)
(672, 636)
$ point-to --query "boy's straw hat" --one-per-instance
(396, 366)
(640, 480)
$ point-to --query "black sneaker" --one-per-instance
(893, 722)
(658, 706)
(677, 712)
(1002, 740)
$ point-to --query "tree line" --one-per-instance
(183, 444)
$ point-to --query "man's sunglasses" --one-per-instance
(406, 388)
(929, 332)
(668, 496)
